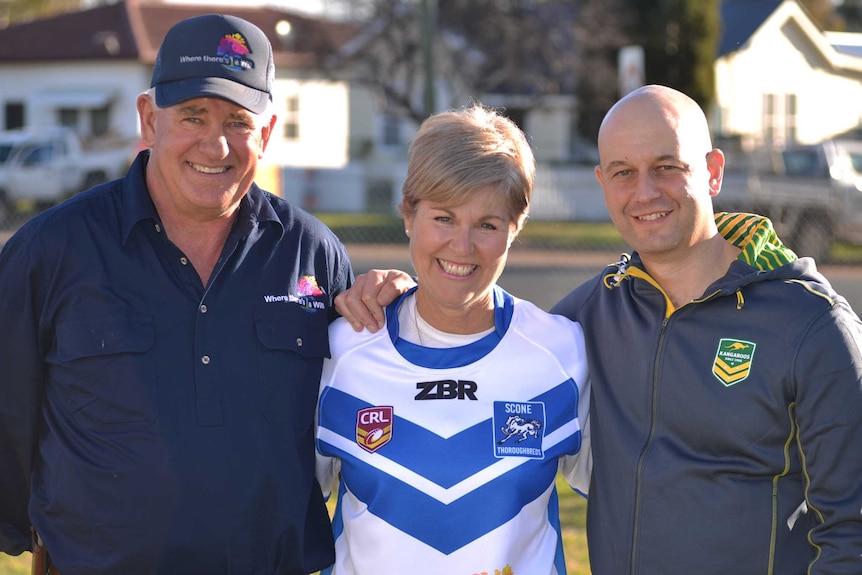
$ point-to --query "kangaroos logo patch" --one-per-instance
(733, 360)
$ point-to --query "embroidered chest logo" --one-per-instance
(374, 427)
(733, 360)
(307, 292)
(519, 428)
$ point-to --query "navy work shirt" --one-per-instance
(153, 424)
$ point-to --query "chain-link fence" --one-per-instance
(568, 238)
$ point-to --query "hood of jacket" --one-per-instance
(763, 257)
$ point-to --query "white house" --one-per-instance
(336, 147)
(780, 80)
(85, 69)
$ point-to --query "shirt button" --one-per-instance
(184, 260)
(203, 308)
(158, 228)
(299, 342)
(205, 360)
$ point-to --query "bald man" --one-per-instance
(726, 411)
(727, 374)
(659, 173)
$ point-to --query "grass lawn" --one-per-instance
(538, 234)
(15, 565)
(386, 228)
(572, 517)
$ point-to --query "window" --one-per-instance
(13, 115)
(291, 118)
(293, 104)
(87, 120)
(790, 118)
(391, 130)
(68, 117)
(36, 154)
(804, 162)
(768, 119)
(779, 119)
(99, 121)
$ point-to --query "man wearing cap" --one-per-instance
(165, 336)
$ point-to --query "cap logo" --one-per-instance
(234, 49)
(230, 53)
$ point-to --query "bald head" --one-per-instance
(658, 108)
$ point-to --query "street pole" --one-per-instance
(429, 33)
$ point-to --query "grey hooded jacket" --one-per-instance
(727, 433)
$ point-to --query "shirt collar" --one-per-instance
(445, 358)
(138, 206)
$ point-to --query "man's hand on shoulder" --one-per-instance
(362, 305)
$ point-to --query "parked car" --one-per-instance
(813, 197)
(10, 141)
(48, 166)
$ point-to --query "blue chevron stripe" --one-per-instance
(421, 451)
(447, 528)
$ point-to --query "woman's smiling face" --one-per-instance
(459, 252)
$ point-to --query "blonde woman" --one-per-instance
(446, 429)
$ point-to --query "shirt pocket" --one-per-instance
(293, 345)
(103, 371)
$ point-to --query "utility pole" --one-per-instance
(429, 34)
(5, 13)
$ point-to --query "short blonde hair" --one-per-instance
(456, 153)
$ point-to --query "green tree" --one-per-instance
(680, 39)
(527, 47)
(824, 14)
(600, 31)
(16, 11)
(851, 13)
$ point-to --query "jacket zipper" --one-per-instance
(642, 461)
(650, 437)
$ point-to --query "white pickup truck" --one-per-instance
(814, 198)
(47, 166)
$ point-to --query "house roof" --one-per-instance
(746, 17)
(846, 42)
(133, 29)
(740, 19)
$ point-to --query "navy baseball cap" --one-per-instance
(217, 56)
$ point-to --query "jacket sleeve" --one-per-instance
(21, 387)
(828, 412)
